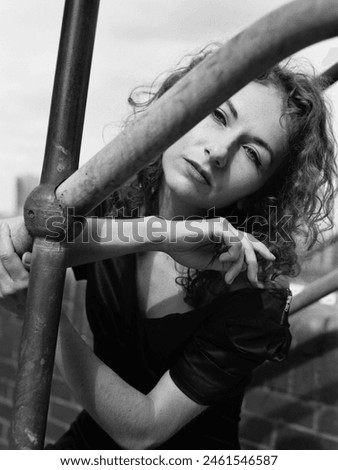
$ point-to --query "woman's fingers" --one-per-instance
(223, 248)
(241, 254)
(260, 247)
(6, 245)
(232, 246)
(10, 261)
(5, 278)
(26, 260)
(235, 269)
(252, 265)
(15, 268)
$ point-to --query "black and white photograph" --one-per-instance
(169, 231)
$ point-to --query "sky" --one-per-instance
(136, 40)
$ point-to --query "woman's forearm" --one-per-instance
(126, 414)
(108, 237)
(102, 238)
(132, 419)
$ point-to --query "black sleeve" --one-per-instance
(80, 272)
(246, 328)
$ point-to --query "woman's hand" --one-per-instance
(215, 244)
(13, 275)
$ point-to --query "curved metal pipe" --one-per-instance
(269, 40)
(331, 75)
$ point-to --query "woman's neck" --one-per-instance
(170, 206)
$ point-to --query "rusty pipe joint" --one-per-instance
(46, 217)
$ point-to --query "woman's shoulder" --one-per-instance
(254, 322)
(244, 328)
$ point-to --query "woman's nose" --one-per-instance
(218, 154)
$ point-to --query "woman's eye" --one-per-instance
(220, 116)
(253, 155)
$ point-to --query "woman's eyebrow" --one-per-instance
(256, 140)
(232, 109)
(262, 143)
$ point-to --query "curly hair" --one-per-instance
(302, 190)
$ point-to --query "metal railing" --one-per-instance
(49, 258)
(247, 55)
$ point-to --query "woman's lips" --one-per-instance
(197, 171)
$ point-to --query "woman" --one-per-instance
(175, 347)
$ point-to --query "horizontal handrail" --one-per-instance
(315, 291)
(332, 240)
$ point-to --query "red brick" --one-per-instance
(256, 430)
(4, 430)
(281, 381)
(273, 375)
(59, 388)
(6, 410)
(248, 445)
(328, 421)
(279, 407)
(254, 400)
(260, 401)
(10, 335)
(290, 438)
(6, 388)
(54, 431)
(298, 413)
(3, 426)
(328, 373)
(3, 444)
(310, 324)
(8, 369)
(303, 378)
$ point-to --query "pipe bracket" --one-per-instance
(44, 215)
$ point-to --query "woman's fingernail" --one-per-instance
(26, 258)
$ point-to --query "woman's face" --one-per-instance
(230, 154)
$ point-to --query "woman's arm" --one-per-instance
(103, 238)
(201, 244)
(132, 419)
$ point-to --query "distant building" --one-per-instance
(24, 185)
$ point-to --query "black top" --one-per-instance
(210, 351)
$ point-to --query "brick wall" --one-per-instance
(292, 405)
(63, 407)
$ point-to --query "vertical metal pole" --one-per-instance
(49, 258)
